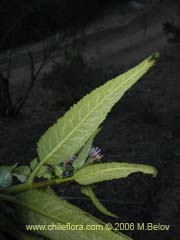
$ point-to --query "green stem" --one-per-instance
(29, 185)
(35, 171)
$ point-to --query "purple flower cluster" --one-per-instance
(95, 153)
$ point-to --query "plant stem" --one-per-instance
(29, 185)
(35, 171)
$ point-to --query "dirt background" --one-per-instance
(143, 128)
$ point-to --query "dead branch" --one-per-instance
(48, 50)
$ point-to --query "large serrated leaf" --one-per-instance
(70, 133)
(88, 191)
(44, 208)
(108, 171)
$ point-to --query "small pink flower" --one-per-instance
(95, 153)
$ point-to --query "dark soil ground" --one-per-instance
(143, 128)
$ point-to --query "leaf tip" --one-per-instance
(155, 56)
(155, 173)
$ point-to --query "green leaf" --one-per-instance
(9, 227)
(42, 171)
(10, 167)
(71, 132)
(33, 163)
(5, 177)
(58, 171)
(88, 191)
(22, 173)
(47, 175)
(80, 160)
(37, 207)
(21, 178)
(108, 171)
